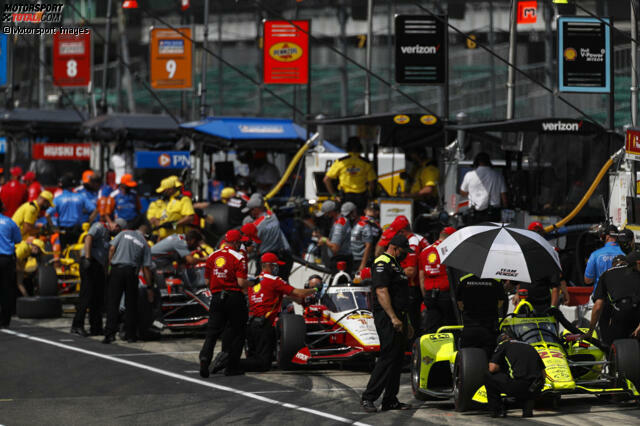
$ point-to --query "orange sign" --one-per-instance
(171, 59)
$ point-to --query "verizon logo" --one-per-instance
(419, 50)
(560, 126)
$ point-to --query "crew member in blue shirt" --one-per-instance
(70, 206)
(601, 259)
(9, 237)
(126, 201)
(90, 189)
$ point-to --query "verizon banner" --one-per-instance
(421, 50)
(61, 151)
(286, 52)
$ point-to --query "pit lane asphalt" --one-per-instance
(42, 383)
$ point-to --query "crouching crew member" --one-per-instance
(265, 300)
(226, 274)
(619, 286)
(516, 370)
(390, 317)
(434, 284)
(479, 301)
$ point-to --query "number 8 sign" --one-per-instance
(72, 60)
(171, 58)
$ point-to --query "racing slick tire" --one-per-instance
(468, 376)
(416, 368)
(47, 280)
(39, 307)
(625, 353)
(293, 331)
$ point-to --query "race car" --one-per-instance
(440, 370)
(181, 301)
(338, 328)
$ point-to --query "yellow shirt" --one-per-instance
(353, 173)
(156, 210)
(177, 208)
(26, 213)
(426, 176)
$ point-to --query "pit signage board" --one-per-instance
(527, 12)
(632, 143)
(163, 159)
(72, 60)
(285, 52)
(584, 53)
(4, 45)
(421, 49)
(61, 151)
(171, 54)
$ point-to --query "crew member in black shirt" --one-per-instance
(479, 301)
(516, 370)
(389, 313)
(619, 286)
(542, 294)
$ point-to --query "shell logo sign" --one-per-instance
(285, 52)
(570, 54)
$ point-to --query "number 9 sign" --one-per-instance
(71, 60)
(171, 59)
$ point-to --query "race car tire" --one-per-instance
(625, 354)
(416, 367)
(468, 376)
(39, 307)
(47, 280)
(293, 331)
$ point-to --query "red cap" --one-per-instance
(449, 230)
(233, 235)
(387, 235)
(400, 222)
(16, 171)
(365, 274)
(29, 176)
(536, 227)
(270, 258)
(250, 233)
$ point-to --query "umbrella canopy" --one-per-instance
(500, 251)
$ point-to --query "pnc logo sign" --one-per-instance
(164, 160)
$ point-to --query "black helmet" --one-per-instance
(242, 182)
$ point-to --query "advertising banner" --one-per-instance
(4, 46)
(421, 50)
(72, 61)
(61, 151)
(171, 59)
(584, 55)
(527, 12)
(285, 52)
(632, 144)
(163, 159)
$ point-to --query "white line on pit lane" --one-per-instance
(157, 353)
(186, 378)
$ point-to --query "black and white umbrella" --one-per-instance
(500, 251)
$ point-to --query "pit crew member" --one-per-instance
(27, 214)
(338, 244)
(364, 235)
(9, 237)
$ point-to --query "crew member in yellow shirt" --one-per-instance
(425, 183)
(27, 214)
(355, 175)
(178, 210)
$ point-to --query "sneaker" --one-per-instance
(204, 368)
(220, 362)
(109, 338)
(368, 406)
(80, 331)
(395, 406)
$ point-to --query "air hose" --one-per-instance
(590, 191)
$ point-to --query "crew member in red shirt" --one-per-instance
(14, 192)
(265, 301)
(33, 186)
(434, 285)
(226, 274)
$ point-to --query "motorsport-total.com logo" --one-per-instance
(22, 13)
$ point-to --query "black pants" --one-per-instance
(230, 309)
(499, 383)
(439, 312)
(415, 302)
(605, 323)
(8, 289)
(122, 279)
(69, 235)
(261, 339)
(623, 323)
(359, 199)
(386, 374)
(479, 337)
(91, 297)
